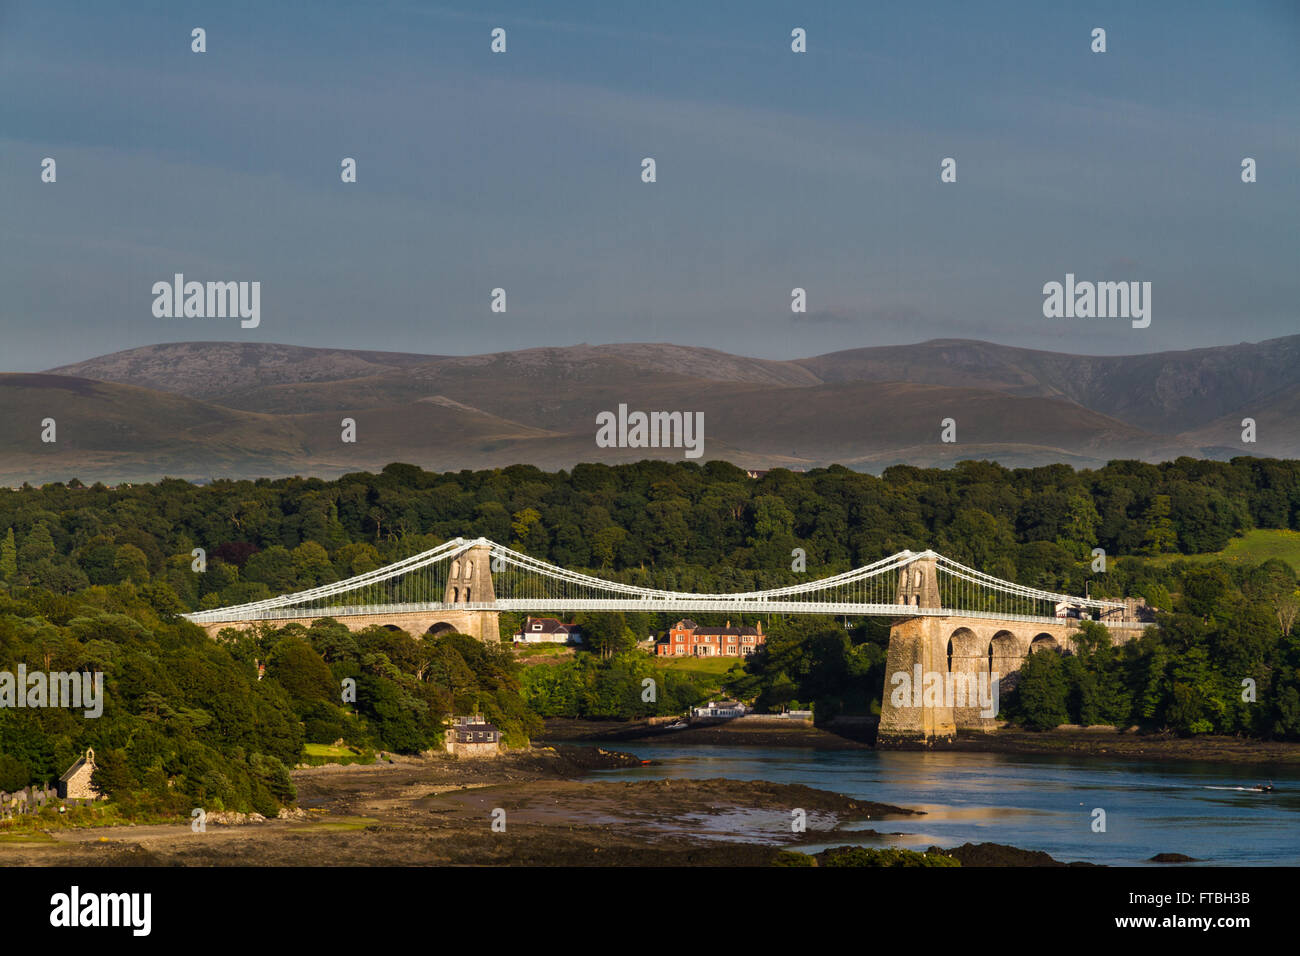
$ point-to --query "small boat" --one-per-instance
(1263, 787)
(680, 725)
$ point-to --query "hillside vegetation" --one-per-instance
(93, 579)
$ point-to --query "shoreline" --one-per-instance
(1106, 743)
(440, 811)
(525, 808)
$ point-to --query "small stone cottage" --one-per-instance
(75, 783)
(472, 736)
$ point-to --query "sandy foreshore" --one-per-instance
(435, 810)
(440, 811)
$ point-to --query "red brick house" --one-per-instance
(688, 639)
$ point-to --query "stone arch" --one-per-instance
(438, 629)
(467, 598)
(469, 569)
(455, 568)
(1006, 652)
(391, 627)
(1043, 642)
(455, 595)
(967, 658)
(965, 651)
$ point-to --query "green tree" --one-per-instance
(130, 564)
(1039, 698)
(38, 547)
(296, 666)
(8, 559)
(14, 774)
(606, 634)
(1159, 535)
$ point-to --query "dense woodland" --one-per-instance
(93, 578)
(704, 527)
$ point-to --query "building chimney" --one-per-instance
(760, 625)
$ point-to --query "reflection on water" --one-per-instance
(1034, 802)
(750, 826)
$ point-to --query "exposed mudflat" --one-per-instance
(1115, 744)
(845, 735)
(440, 811)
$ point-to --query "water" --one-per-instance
(1033, 802)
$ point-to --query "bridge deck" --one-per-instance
(558, 605)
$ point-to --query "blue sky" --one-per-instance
(522, 171)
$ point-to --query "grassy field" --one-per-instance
(317, 755)
(1253, 547)
(708, 672)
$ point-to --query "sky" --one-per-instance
(522, 171)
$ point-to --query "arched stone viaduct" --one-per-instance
(481, 624)
(940, 668)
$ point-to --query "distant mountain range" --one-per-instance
(220, 409)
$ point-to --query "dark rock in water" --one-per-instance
(999, 854)
(566, 759)
(1173, 858)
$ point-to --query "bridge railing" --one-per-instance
(684, 606)
(526, 583)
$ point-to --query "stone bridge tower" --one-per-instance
(918, 584)
(469, 577)
(467, 605)
(915, 650)
(469, 583)
(940, 666)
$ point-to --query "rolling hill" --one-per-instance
(207, 409)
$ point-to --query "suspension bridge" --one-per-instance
(481, 576)
(947, 620)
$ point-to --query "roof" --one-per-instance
(549, 626)
(463, 731)
(689, 625)
(87, 757)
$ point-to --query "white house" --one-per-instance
(547, 630)
(720, 708)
